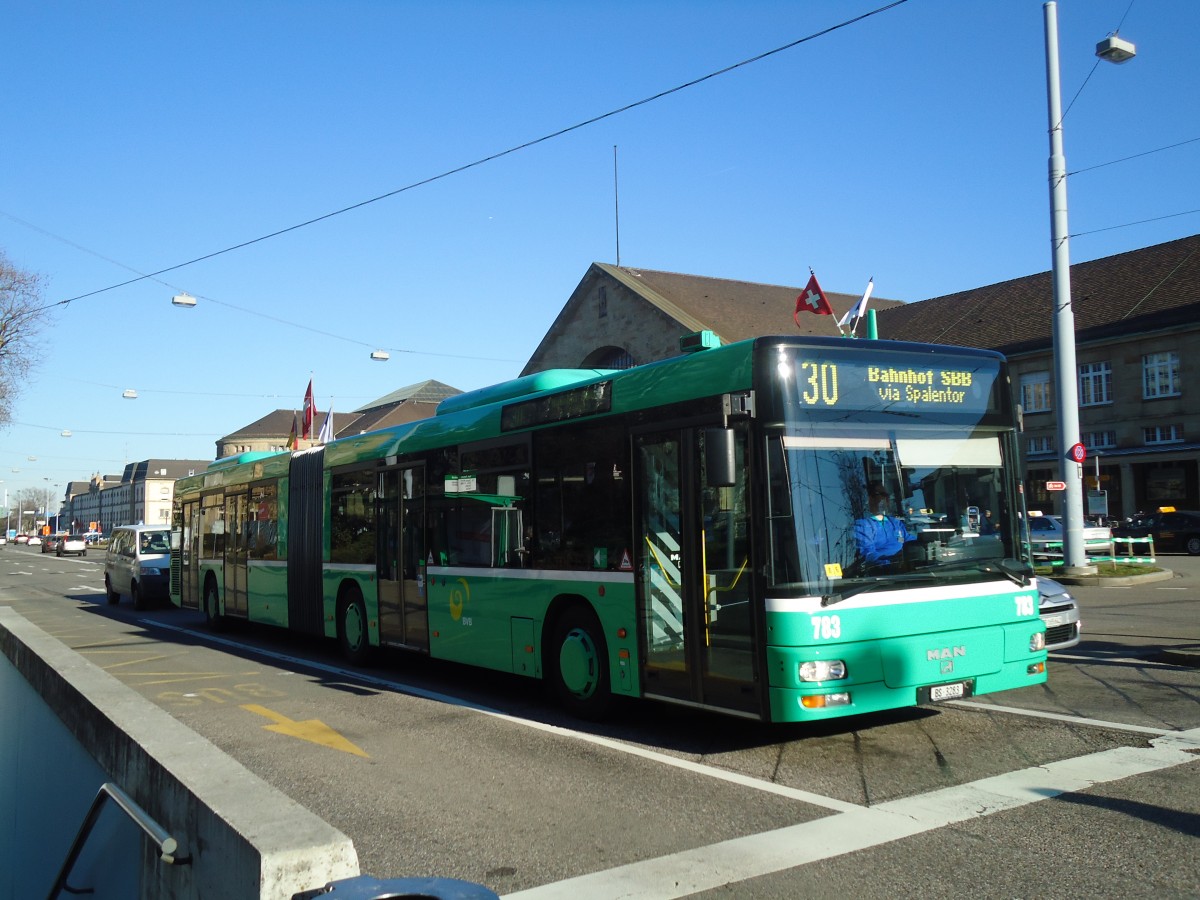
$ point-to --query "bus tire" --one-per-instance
(577, 664)
(352, 628)
(113, 597)
(212, 607)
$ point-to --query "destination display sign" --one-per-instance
(904, 383)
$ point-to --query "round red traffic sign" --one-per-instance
(1078, 452)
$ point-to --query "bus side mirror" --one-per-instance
(720, 457)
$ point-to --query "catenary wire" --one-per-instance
(487, 159)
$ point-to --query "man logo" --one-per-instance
(947, 667)
(945, 653)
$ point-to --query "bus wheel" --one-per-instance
(352, 629)
(579, 664)
(113, 597)
(212, 606)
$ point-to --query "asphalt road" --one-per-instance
(1086, 787)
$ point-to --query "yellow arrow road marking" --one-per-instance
(313, 730)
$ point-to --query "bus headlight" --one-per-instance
(1037, 642)
(823, 670)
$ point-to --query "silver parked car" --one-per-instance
(1046, 537)
(1060, 611)
(69, 544)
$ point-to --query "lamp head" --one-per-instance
(1115, 50)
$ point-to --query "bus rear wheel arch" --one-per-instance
(353, 629)
(576, 662)
(212, 606)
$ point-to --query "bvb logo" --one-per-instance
(459, 598)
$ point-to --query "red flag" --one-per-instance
(309, 411)
(812, 299)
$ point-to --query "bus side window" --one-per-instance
(582, 498)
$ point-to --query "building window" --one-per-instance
(1160, 375)
(1163, 434)
(1035, 392)
(1041, 445)
(1095, 383)
(1100, 440)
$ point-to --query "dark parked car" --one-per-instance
(1172, 529)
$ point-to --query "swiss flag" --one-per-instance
(812, 299)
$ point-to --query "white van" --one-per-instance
(138, 563)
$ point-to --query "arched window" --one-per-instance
(609, 358)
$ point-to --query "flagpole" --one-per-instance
(861, 308)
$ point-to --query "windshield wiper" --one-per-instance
(1018, 576)
(870, 584)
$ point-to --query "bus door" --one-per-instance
(694, 578)
(237, 544)
(189, 555)
(403, 604)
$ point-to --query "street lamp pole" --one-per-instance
(1066, 382)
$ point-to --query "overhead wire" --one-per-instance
(486, 159)
(252, 312)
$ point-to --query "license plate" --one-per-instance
(1054, 621)
(946, 692)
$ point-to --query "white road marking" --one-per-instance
(729, 862)
(849, 828)
(664, 759)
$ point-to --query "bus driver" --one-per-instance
(880, 536)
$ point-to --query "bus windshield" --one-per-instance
(855, 506)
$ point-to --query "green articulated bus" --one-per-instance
(690, 530)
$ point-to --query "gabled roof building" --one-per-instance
(1137, 318)
(272, 431)
(618, 317)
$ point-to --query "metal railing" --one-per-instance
(169, 849)
(1051, 552)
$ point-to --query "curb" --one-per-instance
(1116, 580)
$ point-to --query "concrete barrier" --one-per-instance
(66, 727)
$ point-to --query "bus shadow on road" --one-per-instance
(664, 726)
(1161, 652)
(1185, 823)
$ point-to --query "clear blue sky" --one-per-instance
(911, 146)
